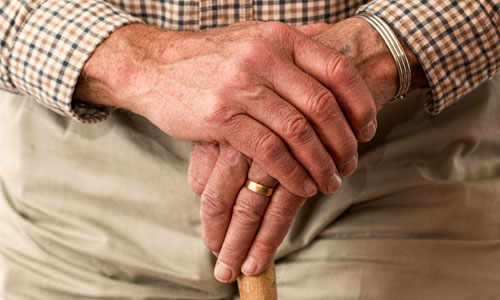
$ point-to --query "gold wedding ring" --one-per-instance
(259, 188)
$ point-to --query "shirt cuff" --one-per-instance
(52, 46)
(453, 40)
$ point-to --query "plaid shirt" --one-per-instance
(44, 44)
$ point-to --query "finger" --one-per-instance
(296, 131)
(226, 180)
(274, 226)
(321, 108)
(313, 29)
(201, 164)
(337, 73)
(245, 220)
(262, 145)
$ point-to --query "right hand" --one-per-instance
(264, 88)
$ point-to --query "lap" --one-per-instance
(419, 219)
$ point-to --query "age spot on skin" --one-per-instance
(346, 50)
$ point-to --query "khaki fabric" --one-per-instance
(104, 211)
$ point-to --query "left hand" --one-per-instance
(241, 227)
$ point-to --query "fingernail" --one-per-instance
(334, 184)
(223, 272)
(249, 266)
(350, 166)
(310, 187)
(215, 253)
(368, 132)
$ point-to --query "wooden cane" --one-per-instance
(260, 287)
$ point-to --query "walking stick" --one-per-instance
(260, 287)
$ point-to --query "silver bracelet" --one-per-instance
(397, 51)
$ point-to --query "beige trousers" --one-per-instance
(104, 211)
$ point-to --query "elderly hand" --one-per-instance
(239, 224)
(263, 88)
(245, 228)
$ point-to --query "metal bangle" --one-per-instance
(397, 52)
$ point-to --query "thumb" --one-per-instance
(313, 29)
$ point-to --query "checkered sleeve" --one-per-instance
(456, 41)
(44, 45)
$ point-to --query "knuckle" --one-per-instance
(340, 69)
(262, 178)
(367, 113)
(348, 149)
(213, 207)
(294, 171)
(269, 146)
(321, 105)
(254, 51)
(282, 215)
(217, 110)
(232, 251)
(204, 148)
(275, 27)
(352, 145)
(238, 75)
(234, 164)
(246, 214)
(298, 129)
(230, 155)
(267, 246)
(361, 111)
(295, 175)
(195, 185)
